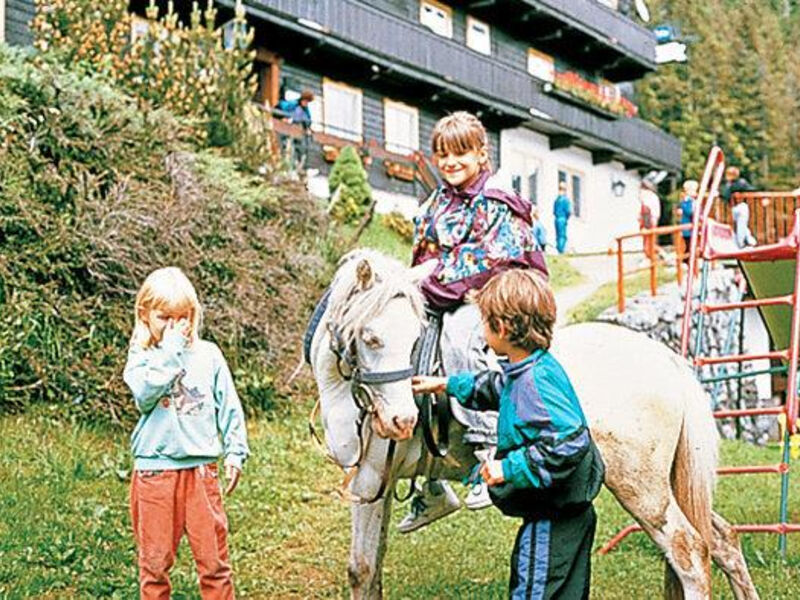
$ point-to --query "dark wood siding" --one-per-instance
(18, 15)
(304, 77)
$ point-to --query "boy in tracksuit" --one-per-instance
(547, 469)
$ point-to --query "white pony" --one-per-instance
(646, 411)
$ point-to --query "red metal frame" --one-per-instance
(705, 233)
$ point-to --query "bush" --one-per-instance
(400, 225)
(181, 67)
(94, 194)
(348, 181)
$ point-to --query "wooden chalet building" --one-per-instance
(543, 76)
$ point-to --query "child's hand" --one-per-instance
(492, 472)
(425, 384)
(181, 328)
(232, 474)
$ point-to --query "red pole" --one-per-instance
(653, 264)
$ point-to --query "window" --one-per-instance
(437, 17)
(574, 181)
(140, 27)
(341, 110)
(541, 65)
(2, 21)
(523, 169)
(401, 127)
(479, 36)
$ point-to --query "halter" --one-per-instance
(365, 399)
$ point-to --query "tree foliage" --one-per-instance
(349, 186)
(739, 88)
(161, 61)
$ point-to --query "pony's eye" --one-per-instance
(372, 341)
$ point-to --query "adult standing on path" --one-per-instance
(649, 215)
(562, 211)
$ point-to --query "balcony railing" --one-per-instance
(398, 43)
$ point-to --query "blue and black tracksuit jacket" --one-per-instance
(551, 466)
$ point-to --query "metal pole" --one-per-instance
(784, 512)
(620, 279)
(698, 340)
(653, 265)
(740, 372)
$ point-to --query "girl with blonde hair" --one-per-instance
(190, 417)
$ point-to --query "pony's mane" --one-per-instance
(351, 307)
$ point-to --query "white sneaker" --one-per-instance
(478, 496)
(428, 507)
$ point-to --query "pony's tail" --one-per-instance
(692, 478)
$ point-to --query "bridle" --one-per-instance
(365, 398)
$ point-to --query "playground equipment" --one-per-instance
(772, 271)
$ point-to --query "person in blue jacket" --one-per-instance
(546, 470)
(562, 211)
(686, 211)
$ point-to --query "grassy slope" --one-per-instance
(65, 530)
(606, 295)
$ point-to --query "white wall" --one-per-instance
(2, 21)
(604, 215)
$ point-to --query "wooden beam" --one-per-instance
(634, 165)
(600, 157)
(557, 142)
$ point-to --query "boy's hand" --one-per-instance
(232, 474)
(492, 472)
(425, 384)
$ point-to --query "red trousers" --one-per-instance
(164, 506)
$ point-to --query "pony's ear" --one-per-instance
(364, 274)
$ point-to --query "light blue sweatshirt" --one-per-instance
(191, 414)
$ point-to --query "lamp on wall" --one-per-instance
(618, 188)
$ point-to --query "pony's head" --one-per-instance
(376, 314)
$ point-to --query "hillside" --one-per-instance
(95, 192)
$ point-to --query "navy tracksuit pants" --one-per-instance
(552, 558)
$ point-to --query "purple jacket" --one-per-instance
(474, 234)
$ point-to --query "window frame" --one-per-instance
(333, 129)
(394, 146)
(446, 10)
(470, 36)
(578, 208)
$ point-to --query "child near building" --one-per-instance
(469, 229)
(686, 212)
(190, 416)
(547, 469)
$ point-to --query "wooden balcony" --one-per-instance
(771, 213)
(398, 47)
(582, 31)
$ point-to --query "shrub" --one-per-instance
(185, 68)
(400, 225)
(348, 185)
(94, 194)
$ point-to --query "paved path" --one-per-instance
(596, 271)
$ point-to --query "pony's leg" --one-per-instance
(662, 519)
(368, 547)
(727, 553)
(684, 549)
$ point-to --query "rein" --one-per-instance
(425, 360)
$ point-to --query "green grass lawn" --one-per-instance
(65, 529)
(606, 295)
